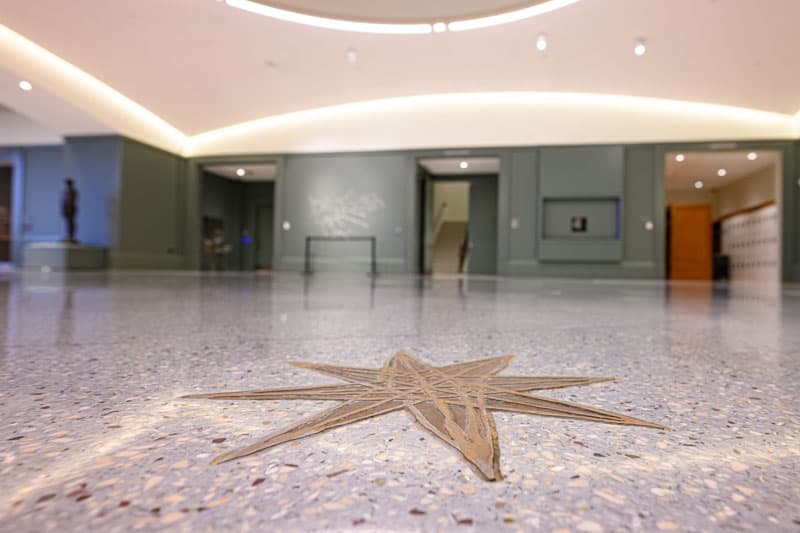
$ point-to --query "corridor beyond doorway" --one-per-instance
(724, 215)
(451, 222)
(458, 207)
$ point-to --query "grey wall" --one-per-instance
(147, 205)
(151, 210)
(359, 194)
(791, 214)
(256, 195)
(94, 164)
(577, 173)
(44, 175)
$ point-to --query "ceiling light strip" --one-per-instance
(511, 16)
(329, 23)
(85, 92)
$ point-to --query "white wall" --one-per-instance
(752, 241)
(456, 195)
(17, 130)
(692, 197)
(747, 192)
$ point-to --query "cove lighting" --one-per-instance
(507, 115)
(85, 92)
(752, 156)
(722, 173)
(680, 158)
(328, 23)
(511, 16)
(377, 27)
(698, 184)
(25, 85)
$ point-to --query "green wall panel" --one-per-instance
(347, 194)
(152, 203)
(639, 207)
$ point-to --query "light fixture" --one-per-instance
(640, 47)
(680, 158)
(464, 165)
(25, 85)
(752, 156)
(698, 184)
(328, 23)
(416, 28)
(352, 55)
(240, 172)
(511, 16)
(722, 173)
(286, 225)
(541, 42)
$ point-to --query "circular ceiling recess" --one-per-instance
(405, 12)
(415, 16)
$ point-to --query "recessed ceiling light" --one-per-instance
(541, 42)
(752, 156)
(640, 47)
(25, 85)
(240, 172)
(722, 173)
(440, 27)
(680, 158)
(464, 165)
(352, 55)
(698, 184)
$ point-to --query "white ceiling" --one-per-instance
(703, 166)
(202, 65)
(451, 166)
(260, 172)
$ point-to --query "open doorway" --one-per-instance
(724, 215)
(458, 199)
(238, 212)
(5, 214)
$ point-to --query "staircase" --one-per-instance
(447, 248)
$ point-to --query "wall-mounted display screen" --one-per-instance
(581, 218)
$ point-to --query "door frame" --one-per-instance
(416, 243)
(787, 196)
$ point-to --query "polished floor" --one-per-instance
(95, 438)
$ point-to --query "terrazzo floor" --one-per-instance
(94, 437)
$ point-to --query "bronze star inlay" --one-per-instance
(454, 402)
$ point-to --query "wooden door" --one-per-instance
(690, 246)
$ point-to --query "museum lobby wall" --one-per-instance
(146, 205)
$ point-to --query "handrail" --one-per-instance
(438, 219)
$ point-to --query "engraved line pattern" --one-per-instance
(453, 402)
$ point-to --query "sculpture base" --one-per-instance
(64, 256)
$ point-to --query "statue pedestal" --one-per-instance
(64, 256)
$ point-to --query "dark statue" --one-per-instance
(69, 208)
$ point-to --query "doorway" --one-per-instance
(5, 213)
(237, 211)
(724, 215)
(458, 227)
